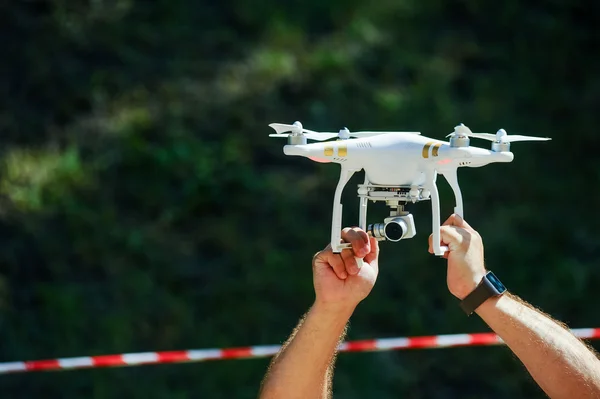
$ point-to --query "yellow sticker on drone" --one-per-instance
(426, 149)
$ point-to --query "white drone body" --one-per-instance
(400, 168)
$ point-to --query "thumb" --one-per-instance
(457, 220)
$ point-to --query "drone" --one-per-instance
(400, 168)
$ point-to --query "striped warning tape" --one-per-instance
(199, 355)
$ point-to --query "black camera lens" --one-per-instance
(394, 230)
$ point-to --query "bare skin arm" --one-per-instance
(561, 364)
(303, 368)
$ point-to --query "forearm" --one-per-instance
(304, 366)
(559, 362)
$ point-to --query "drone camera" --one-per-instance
(394, 228)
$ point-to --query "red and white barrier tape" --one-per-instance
(199, 355)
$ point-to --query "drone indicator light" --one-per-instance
(319, 160)
(328, 151)
(342, 150)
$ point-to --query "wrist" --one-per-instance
(334, 310)
(466, 288)
(489, 287)
(468, 284)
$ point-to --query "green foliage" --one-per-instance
(144, 207)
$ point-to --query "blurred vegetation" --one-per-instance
(143, 206)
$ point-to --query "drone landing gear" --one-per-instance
(362, 210)
(452, 180)
(395, 197)
(336, 223)
(430, 179)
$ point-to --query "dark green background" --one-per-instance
(144, 207)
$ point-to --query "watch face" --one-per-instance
(495, 282)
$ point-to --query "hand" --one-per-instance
(466, 268)
(337, 279)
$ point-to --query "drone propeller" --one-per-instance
(368, 134)
(344, 133)
(313, 136)
(461, 131)
(297, 129)
(500, 137)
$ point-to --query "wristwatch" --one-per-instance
(489, 287)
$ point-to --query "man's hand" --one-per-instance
(337, 278)
(465, 256)
(559, 362)
(303, 368)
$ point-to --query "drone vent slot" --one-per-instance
(363, 144)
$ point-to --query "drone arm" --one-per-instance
(452, 179)
(435, 212)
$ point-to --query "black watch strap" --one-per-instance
(489, 287)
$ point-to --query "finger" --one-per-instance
(453, 220)
(374, 253)
(450, 235)
(328, 259)
(430, 241)
(349, 262)
(458, 221)
(337, 264)
(321, 256)
(359, 240)
(371, 257)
